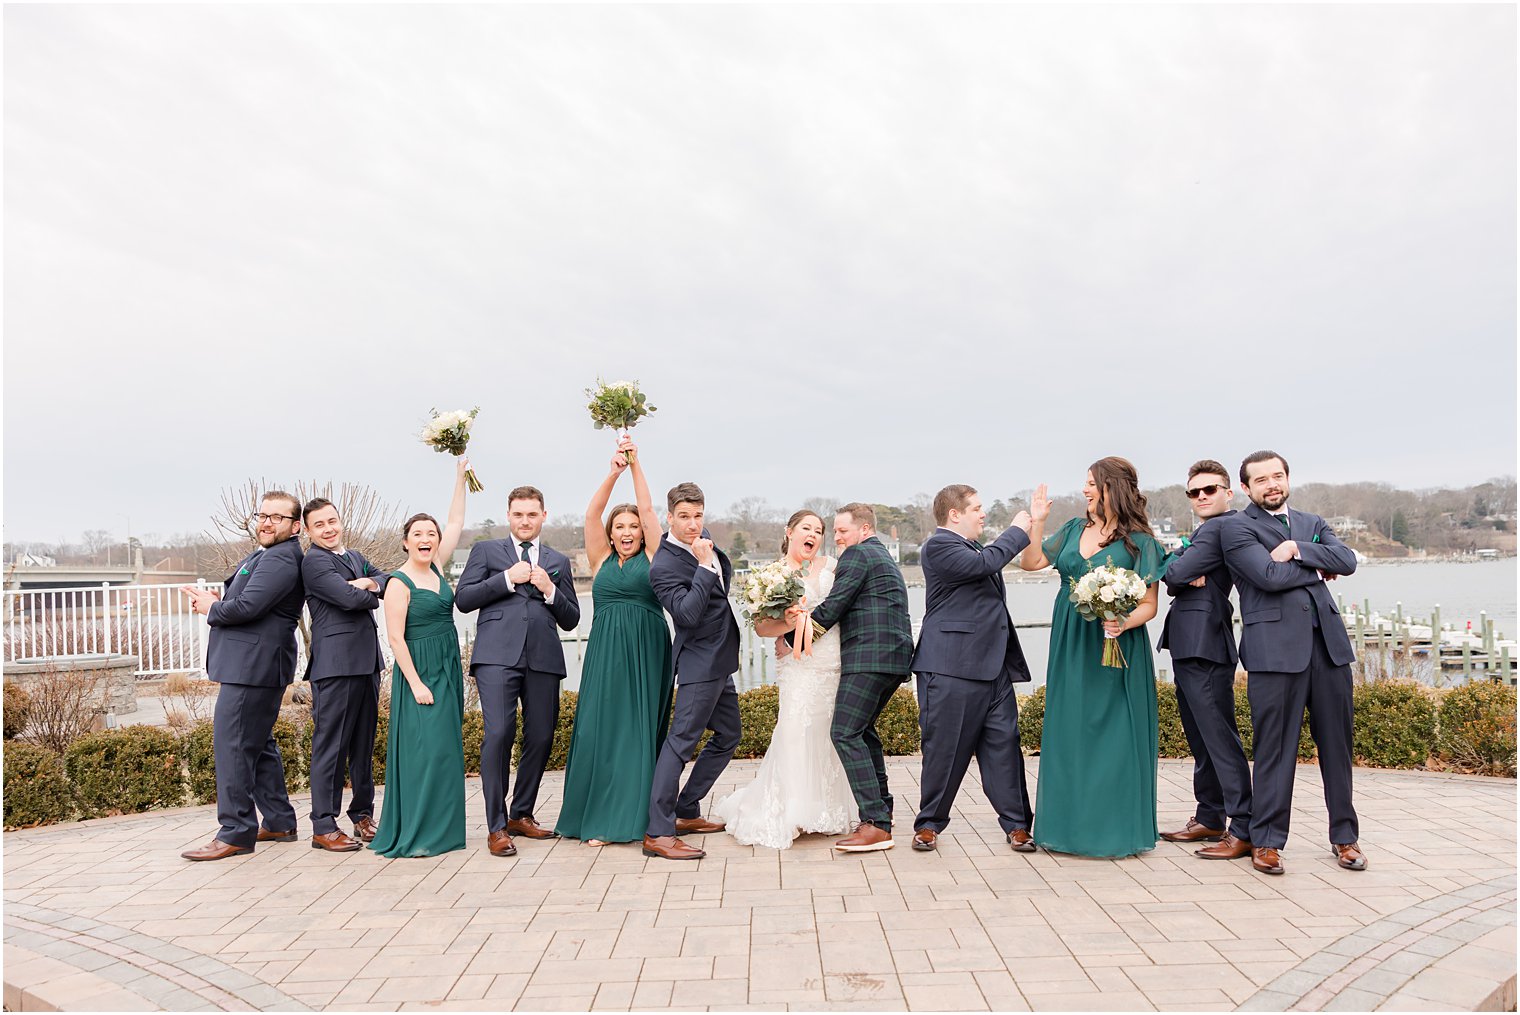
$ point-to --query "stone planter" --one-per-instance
(117, 693)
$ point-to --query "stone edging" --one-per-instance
(57, 962)
(1375, 964)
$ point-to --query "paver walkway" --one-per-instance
(104, 914)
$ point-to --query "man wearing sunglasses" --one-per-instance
(251, 654)
(1201, 638)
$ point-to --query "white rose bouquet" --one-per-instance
(1108, 593)
(772, 590)
(450, 431)
(618, 404)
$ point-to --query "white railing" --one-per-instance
(151, 622)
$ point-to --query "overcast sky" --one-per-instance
(856, 252)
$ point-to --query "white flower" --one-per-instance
(1106, 594)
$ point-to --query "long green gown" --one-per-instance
(423, 812)
(623, 709)
(1097, 781)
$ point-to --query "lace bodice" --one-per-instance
(808, 683)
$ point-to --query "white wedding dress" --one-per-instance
(801, 786)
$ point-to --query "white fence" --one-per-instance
(151, 622)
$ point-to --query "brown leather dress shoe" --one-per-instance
(530, 829)
(216, 849)
(1266, 860)
(866, 838)
(500, 844)
(1229, 848)
(1349, 855)
(698, 826)
(668, 847)
(365, 829)
(925, 840)
(270, 835)
(1021, 841)
(1194, 832)
(335, 842)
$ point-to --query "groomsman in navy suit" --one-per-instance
(1200, 634)
(523, 590)
(251, 653)
(342, 591)
(1296, 652)
(691, 578)
(967, 661)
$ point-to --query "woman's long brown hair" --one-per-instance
(1120, 499)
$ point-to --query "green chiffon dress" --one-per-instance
(622, 711)
(423, 813)
(1096, 792)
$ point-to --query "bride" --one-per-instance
(801, 786)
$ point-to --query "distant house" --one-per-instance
(1166, 533)
(1343, 524)
(29, 559)
(893, 545)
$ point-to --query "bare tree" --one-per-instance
(370, 525)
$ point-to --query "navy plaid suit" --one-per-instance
(869, 604)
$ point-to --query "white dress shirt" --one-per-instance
(531, 558)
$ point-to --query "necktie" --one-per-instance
(526, 548)
(1284, 519)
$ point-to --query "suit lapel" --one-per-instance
(1268, 525)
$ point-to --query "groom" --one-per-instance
(691, 578)
(522, 589)
(869, 603)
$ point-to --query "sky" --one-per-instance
(856, 252)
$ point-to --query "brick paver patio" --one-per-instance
(104, 915)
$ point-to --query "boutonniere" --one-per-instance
(244, 570)
(1316, 538)
(1186, 542)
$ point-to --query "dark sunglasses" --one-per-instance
(1204, 491)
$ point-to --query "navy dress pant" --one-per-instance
(250, 777)
(1221, 776)
(959, 718)
(705, 705)
(344, 711)
(501, 688)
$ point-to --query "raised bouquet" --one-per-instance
(617, 404)
(1108, 593)
(770, 591)
(450, 431)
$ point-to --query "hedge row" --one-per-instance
(1396, 725)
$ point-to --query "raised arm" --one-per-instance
(454, 527)
(1033, 557)
(955, 561)
(598, 548)
(278, 571)
(648, 516)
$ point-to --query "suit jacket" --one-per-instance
(707, 635)
(869, 605)
(253, 625)
(967, 631)
(517, 626)
(1281, 602)
(344, 638)
(1200, 623)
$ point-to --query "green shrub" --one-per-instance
(126, 770)
(197, 747)
(18, 706)
(382, 737)
(287, 737)
(898, 723)
(759, 708)
(1477, 728)
(1031, 720)
(1306, 751)
(1393, 724)
(1171, 739)
(474, 735)
(36, 788)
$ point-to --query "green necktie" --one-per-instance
(1284, 519)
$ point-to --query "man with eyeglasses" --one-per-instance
(1293, 644)
(251, 653)
(1200, 635)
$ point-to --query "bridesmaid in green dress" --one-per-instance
(424, 756)
(1096, 791)
(626, 680)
